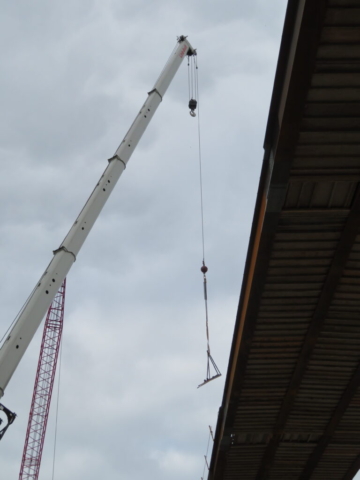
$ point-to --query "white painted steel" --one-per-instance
(34, 310)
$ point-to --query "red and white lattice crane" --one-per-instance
(44, 382)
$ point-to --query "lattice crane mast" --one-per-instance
(44, 382)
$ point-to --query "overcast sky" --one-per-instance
(74, 75)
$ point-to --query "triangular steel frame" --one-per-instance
(208, 378)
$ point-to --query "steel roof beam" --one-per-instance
(320, 448)
(338, 264)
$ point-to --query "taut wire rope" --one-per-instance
(207, 451)
(18, 315)
(193, 81)
(57, 411)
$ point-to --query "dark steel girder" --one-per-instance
(342, 253)
(353, 470)
(324, 441)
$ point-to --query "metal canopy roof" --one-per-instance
(291, 405)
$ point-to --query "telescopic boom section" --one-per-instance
(34, 310)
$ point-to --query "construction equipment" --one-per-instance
(45, 290)
(44, 382)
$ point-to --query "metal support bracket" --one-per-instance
(10, 419)
(65, 250)
(116, 157)
(156, 91)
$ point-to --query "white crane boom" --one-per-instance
(38, 303)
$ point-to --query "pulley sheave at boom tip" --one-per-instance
(193, 82)
(34, 309)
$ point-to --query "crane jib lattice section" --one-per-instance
(44, 382)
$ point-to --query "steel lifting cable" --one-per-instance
(18, 314)
(57, 412)
(193, 82)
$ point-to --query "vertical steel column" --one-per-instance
(44, 382)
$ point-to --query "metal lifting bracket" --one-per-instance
(10, 419)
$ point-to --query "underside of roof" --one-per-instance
(291, 405)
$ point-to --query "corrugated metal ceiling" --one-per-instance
(291, 407)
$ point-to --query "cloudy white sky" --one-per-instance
(74, 74)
